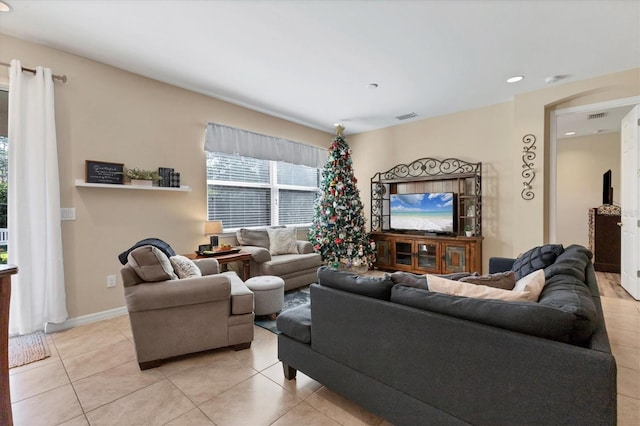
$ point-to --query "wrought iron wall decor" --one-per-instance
(528, 173)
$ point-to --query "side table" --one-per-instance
(5, 296)
(224, 259)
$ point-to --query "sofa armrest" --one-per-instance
(209, 266)
(167, 294)
(500, 264)
(304, 247)
(258, 254)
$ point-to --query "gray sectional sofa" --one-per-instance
(417, 357)
(297, 268)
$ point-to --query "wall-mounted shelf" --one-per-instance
(81, 182)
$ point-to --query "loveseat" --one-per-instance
(414, 356)
(174, 311)
(276, 251)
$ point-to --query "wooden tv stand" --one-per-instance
(422, 254)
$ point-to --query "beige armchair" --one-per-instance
(180, 316)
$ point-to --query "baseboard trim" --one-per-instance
(51, 327)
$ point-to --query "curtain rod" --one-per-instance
(62, 78)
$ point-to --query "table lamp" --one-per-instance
(211, 228)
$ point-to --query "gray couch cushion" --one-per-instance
(296, 323)
(379, 288)
(536, 258)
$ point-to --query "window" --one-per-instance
(246, 192)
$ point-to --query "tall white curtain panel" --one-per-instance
(35, 246)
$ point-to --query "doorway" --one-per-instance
(577, 162)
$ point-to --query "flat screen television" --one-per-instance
(607, 189)
(432, 212)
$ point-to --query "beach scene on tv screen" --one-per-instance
(425, 212)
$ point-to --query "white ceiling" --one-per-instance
(311, 61)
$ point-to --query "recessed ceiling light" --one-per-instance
(515, 79)
(372, 86)
(570, 133)
(4, 7)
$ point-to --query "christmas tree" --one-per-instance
(338, 232)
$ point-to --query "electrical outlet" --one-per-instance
(68, 213)
(111, 280)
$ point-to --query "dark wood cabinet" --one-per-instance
(604, 238)
(427, 255)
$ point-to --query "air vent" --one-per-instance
(406, 116)
(596, 115)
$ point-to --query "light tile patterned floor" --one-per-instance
(92, 378)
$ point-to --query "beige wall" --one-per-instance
(492, 135)
(477, 135)
(581, 163)
(106, 114)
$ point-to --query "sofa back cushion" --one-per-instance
(376, 287)
(524, 317)
(253, 237)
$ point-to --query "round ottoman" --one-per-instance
(268, 294)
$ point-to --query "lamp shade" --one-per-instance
(213, 227)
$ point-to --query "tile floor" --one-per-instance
(92, 378)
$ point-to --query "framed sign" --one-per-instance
(102, 172)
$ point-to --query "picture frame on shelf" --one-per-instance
(104, 172)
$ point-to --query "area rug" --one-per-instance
(292, 299)
(27, 348)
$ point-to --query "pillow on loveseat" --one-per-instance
(504, 280)
(151, 264)
(536, 258)
(376, 287)
(184, 267)
(527, 288)
(282, 241)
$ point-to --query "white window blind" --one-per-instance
(248, 192)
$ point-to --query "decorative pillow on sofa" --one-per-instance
(282, 241)
(526, 289)
(409, 279)
(151, 264)
(376, 287)
(184, 267)
(536, 258)
(503, 280)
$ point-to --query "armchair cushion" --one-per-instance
(184, 267)
(168, 294)
(151, 264)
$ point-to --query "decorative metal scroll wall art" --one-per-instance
(528, 155)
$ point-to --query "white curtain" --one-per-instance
(230, 140)
(35, 237)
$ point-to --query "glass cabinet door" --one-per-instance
(455, 259)
(383, 254)
(404, 253)
(427, 256)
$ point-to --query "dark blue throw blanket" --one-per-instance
(158, 243)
